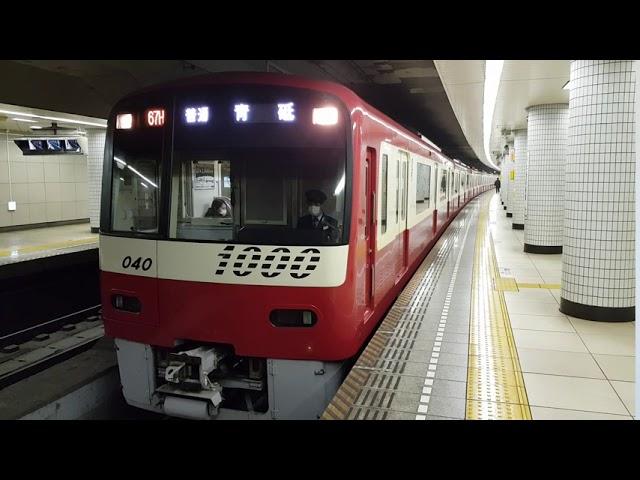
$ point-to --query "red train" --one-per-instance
(254, 230)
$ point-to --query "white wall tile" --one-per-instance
(19, 172)
(4, 171)
(33, 160)
(21, 192)
(54, 211)
(81, 209)
(4, 195)
(53, 192)
(68, 192)
(5, 216)
(37, 212)
(80, 170)
(36, 193)
(81, 191)
(35, 172)
(52, 172)
(67, 172)
(68, 210)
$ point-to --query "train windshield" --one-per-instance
(281, 196)
(246, 164)
(135, 181)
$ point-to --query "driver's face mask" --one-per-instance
(314, 210)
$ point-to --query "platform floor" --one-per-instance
(22, 245)
(477, 334)
(573, 368)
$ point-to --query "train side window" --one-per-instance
(384, 177)
(443, 185)
(402, 162)
(397, 162)
(423, 187)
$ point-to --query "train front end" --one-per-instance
(224, 249)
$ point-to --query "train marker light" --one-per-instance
(242, 112)
(196, 114)
(124, 121)
(286, 112)
(325, 116)
(155, 117)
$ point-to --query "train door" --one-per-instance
(403, 186)
(369, 227)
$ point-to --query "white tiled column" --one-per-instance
(598, 265)
(547, 152)
(520, 147)
(95, 158)
(636, 65)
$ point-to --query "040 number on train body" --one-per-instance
(137, 264)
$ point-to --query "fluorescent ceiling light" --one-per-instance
(492, 74)
(24, 120)
(35, 127)
(55, 119)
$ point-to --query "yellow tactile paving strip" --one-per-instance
(508, 284)
(495, 385)
(47, 246)
(551, 286)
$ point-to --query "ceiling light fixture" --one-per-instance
(55, 119)
(492, 74)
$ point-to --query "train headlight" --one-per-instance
(124, 121)
(325, 116)
(126, 303)
(293, 318)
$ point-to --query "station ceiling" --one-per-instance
(409, 91)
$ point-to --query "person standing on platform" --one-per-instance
(497, 184)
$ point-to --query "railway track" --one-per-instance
(30, 350)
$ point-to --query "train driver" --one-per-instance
(316, 219)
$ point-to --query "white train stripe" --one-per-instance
(241, 264)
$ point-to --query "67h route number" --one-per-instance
(138, 263)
